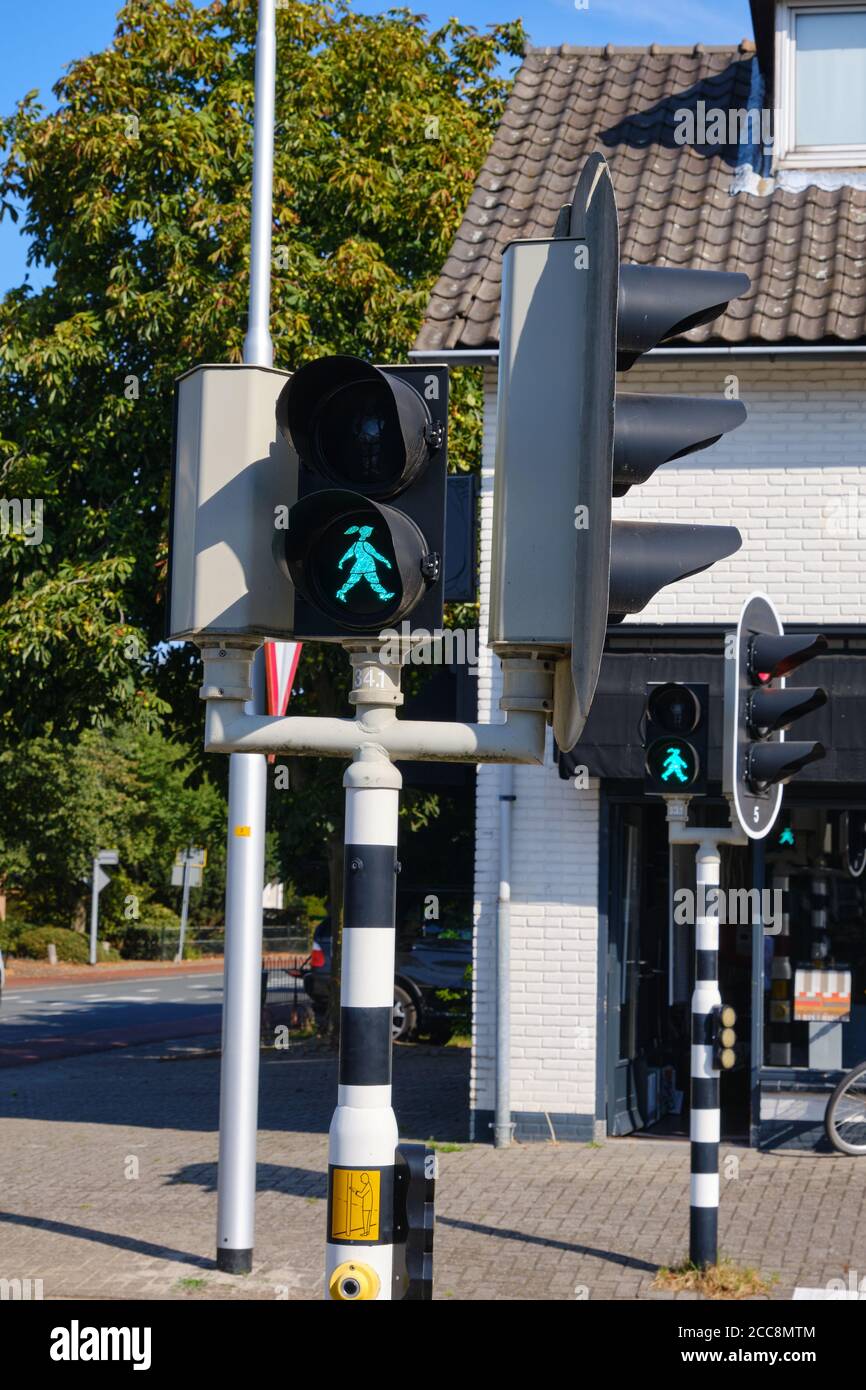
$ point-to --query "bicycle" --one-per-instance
(845, 1118)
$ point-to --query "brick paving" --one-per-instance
(109, 1178)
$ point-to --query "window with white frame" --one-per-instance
(821, 85)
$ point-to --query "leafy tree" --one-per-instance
(136, 192)
(128, 791)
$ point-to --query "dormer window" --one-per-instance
(821, 68)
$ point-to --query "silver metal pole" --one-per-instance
(239, 1079)
(503, 1128)
(94, 913)
(258, 346)
(184, 905)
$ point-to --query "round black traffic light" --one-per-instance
(356, 425)
(357, 439)
(674, 708)
(363, 564)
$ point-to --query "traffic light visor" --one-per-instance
(356, 425)
(675, 708)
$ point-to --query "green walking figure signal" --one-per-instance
(675, 766)
(365, 557)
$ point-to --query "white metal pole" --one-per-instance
(94, 913)
(258, 347)
(184, 904)
(503, 1128)
(239, 1079)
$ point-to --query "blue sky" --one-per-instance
(40, 39)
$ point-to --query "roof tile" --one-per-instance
(805, 251)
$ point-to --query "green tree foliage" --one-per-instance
(128, 790)
(136, 192)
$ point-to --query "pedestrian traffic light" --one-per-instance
(675, 739)
(570, 316)
(365, 539)
(759, 708)
(724, 1039)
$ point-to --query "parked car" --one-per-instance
(431, 980)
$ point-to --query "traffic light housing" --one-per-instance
(759, 709)
(232, 474)
(414, 1220)
(676, 722)
(853, 837)
(722, 1036)
(365, 540)
(567, 442)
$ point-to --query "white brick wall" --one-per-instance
(791, 479)
(553, 903)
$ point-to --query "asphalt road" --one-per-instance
(67, 1020)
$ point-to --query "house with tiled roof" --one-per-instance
(748, 158)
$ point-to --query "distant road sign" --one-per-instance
(195, 876)
(192, 855)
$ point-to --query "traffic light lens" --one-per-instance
(672, 763)
(352, 566)
(357, 437)
(675, 708)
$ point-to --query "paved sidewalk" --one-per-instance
(109, 1189)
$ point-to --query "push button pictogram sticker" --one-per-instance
(356, 1203)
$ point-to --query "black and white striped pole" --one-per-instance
(782, 976)
(380, 1194)
(363, 1136)
(712, 1037)
(705, 1115)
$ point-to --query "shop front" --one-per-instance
(792, 937)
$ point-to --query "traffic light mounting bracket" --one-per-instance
(527, 701)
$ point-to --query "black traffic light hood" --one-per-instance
(658, 302)
(314, 394)
(650, 430)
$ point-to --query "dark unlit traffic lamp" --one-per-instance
(760, 708)
(567, 442)
(773, 708)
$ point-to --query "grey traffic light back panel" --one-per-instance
(536, 478)
(234, 480)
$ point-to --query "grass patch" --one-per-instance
(444, 1148)
(723, 1280)
(459, 1040)
(191, 1283)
